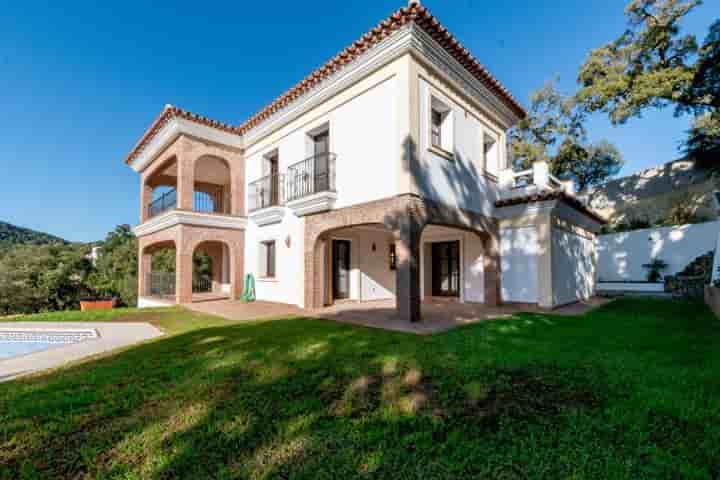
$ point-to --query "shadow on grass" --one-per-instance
(310, 399)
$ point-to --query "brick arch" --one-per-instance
(406, 216)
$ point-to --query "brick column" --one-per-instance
(185, 179)
(407, 275)
(237, 189)
(144, 268)
(237, 268)
(145, 198)
(183, 276)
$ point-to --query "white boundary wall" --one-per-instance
(622, 255)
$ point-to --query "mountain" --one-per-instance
(12, 234)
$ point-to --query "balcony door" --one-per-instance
(341, 269)
(446, 269)
(321, 153)
(274, 167)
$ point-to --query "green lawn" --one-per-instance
(629, 391)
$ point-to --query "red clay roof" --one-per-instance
(552, 195)
(168, 113)
(414, 12)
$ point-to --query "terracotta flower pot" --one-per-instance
(97, 304)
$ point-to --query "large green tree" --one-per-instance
(653, 65)
(554, 131)
(116, 268)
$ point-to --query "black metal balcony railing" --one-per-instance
(266, 192)
(202, 284)
(204, 202)
(211, 202)
(166, 201)
(313, 175)
(160, 284)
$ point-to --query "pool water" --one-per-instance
(15, 349)
(24, 341)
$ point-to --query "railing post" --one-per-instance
(541, 175)
(506, 179)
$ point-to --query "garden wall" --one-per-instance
(622, 255)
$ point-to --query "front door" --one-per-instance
(341, 269)
(446, 269)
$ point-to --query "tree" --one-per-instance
(652, 66)
(116, 268)
(36, 278)
(554, 132)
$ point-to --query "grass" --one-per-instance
(631, 390)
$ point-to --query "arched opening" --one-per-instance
(158, 268)
(211, 271)
(212, 188)
(355, 263)
(162, 186)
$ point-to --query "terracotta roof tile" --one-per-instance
(168, 113)
(552, 195)
(414, 12)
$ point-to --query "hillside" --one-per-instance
(12, 234)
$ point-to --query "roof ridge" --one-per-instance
(413, 12)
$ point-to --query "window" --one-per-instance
(267, 259)
(393, 257)
(441, 127)
(436, 129)
(490, 156)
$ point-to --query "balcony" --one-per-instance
(266, 199)
(310, 184)
(203, 202)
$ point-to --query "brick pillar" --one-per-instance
(183, 275)
(237, 268)
(491, 268)
(185, 179)
(407, 275)
(145, 199)
(144, 268)
(237, 189)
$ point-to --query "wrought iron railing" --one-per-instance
(204, 202)
(202, 284)
(211, 202)
(166, 201)
(160, 284)
(266, 192)
(312, 175)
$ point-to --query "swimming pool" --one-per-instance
(24, 341)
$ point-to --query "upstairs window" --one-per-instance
(490, 153)
(441, 127)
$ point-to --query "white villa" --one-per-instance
(384, 174)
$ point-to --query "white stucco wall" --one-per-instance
(289, 281)
(622, 255)
(519, 249)
(458, 181)
(573, 267)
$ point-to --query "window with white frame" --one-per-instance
(267, 259)
(490, 153)
(441, 126)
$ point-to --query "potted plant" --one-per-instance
(654, 268)
(96, 300)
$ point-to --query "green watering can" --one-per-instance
(249, 290)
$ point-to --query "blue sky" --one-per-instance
(80, 81)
